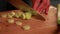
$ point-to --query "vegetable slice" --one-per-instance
(11, 21)
(18, 23)
(12, 13)
(18, 14)
(26, 27)
(28, 15)
(23, 16)
(10, 16)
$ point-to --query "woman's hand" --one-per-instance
(41, 5)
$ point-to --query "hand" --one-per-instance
(43, 5)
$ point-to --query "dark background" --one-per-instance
(4, 5)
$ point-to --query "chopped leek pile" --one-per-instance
(27, 14)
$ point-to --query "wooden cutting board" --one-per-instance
(38, 26)
(59, 33)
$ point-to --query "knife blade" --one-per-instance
(33, 12)
(23, 6)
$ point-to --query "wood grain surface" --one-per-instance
(38, 26)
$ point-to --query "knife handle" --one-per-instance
(29, 2)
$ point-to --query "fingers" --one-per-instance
(42, 6)
(35, 5)
(47, 7)
(46, 10)
(42, 9)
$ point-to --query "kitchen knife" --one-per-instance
(19, 4)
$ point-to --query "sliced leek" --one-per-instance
(26, 27)
(12, 13)
(28, 15)
(23, 16)
(10, 16)
(18, 23)
(18, 14)
(11, 21)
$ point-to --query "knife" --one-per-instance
(19, 4)
(29, 2)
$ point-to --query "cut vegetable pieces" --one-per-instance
(10, 16)
(11, 21)
(28, 15)
(18, 14)
(23, 16)
(18, 23)
(12, 13)
(26, 27)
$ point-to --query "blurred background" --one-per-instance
(5, 5)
